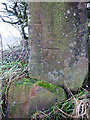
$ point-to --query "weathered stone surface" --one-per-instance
(25, 98)
(76, 73)
(58, 42)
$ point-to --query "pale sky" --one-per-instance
(9, 33)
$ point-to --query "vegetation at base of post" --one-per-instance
(75, 107)
(78, 103)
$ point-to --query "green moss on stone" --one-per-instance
(47, 85)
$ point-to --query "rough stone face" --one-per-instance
(58, 42)
(25, 97)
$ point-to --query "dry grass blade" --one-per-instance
(69, 89)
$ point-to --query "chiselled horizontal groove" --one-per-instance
(51, 48)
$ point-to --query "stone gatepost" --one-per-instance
(58, 42)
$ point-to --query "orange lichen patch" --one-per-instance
(32, 94)
(34, 90)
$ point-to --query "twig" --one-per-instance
(69, 89)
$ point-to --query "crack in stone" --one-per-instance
(51, 48)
